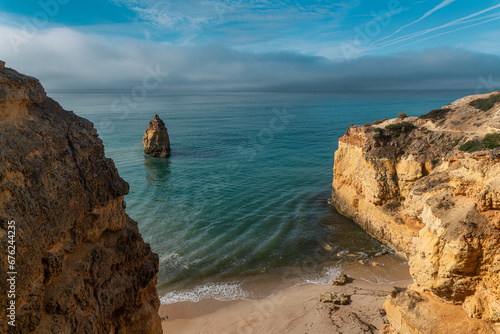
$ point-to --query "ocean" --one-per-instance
(240, 209)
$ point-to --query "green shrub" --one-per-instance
(398, 128)
(436, 114)
(456, 141)
(471, 146)
(491, 140)
(486, 104)
(402, 115)
(375, 122)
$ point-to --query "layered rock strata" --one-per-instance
(156, 142)
(81, 264)
(429, 187)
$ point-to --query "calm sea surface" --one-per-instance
(243, 198)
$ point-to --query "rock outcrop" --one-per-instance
(82, 266)
(156, 142)
(429, 187)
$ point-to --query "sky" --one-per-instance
(221, 45)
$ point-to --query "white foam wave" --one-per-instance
(169, 257)
(219, 291)
(327, 276)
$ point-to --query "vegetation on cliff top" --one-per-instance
(486, 104)
(456, 141)
(490, 141)
(436, 114)
(398, 128)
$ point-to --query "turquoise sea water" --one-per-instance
(243, 198)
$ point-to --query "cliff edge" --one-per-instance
(429, 187)
(81, 265)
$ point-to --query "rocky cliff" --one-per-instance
(81, 265)
(429, 187)
(156, 141)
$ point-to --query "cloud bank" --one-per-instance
(64, 59)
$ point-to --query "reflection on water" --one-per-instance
(157, 171)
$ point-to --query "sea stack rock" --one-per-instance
(156, 142)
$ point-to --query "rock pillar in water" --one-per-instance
(156, 142)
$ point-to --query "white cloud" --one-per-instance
(204, 20)
(183, 15)
(64, 59)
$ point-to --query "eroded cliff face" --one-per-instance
(429, 187)
(82, 266)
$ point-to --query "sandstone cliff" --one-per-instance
(82, 266)
(156, 141)
(429, 187)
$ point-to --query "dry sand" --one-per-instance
(294, 310)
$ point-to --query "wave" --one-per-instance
(169, 257)
(327, 276)
(234, 291)
(218, 291)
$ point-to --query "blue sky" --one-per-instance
(196, 41)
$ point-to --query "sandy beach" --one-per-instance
(294, 310)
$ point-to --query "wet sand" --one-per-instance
(293, 310)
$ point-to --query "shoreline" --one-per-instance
(292, 310)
